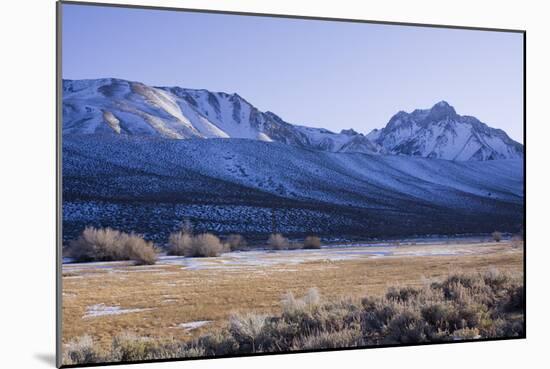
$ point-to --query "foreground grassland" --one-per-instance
(181, 299)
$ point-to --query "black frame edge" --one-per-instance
(58, 187)
(525, 184)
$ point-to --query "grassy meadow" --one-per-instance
(167, 309)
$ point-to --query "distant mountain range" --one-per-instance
(120, 107)
(141, 158)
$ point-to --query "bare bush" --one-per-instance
(202, 245)
(140, 251)
(106, 244)
(236, 242)
(407, 327)
(98, 245)
(206, 245)
(130, 347)
(401, 294)
(248, 330)
(312, 242)
(218, 343)
(278, 242)
(81, 350)
(180, 243)
(497, 236)
(292, 305)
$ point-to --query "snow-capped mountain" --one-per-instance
(441, 133)
(131, 151)
(123, 107)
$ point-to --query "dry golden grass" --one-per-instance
(174, 295)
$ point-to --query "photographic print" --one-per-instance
(238, 184)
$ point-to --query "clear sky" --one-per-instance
(322, 74)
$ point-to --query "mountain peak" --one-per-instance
(439, 132)
(442, 110)
(442, 104)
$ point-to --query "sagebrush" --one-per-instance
(460, 307)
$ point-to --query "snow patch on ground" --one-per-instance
(194, 325)
(98, 310)
(266, 258)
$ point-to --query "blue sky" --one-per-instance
(323, 74)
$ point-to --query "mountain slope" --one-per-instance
(441, 133)
(114, 106)
(149, 184)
